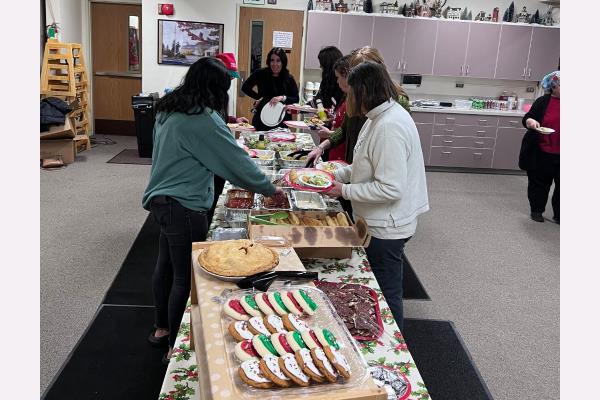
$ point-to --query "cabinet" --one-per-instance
(508, 146)
(419, 46)
(482, 50)
(425, 134)
(450, 48)
(388, 37)
(513, 52)
(544, 53)
(461, 157)
(356, 32)
(323, 29)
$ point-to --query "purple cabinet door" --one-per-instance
(356, 32)
(388, 37)
(450, 48)
(323, 30)
(508, 146)
(544, 53)
(513, 52)
(419, 46)
(482, 50)
(425, 134)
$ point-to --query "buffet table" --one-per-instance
(389, 351)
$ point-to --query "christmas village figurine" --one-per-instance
(323, 5)
(523, 16)
(436, 8)
(357, 5)
(480, 16)
(454, 13)
(384, 8)
(341, 7)
(495, 14)
(394, 8)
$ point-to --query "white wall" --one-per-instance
(68, 14)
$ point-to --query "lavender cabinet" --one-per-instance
(388, 37)
(323, 29)
(356, 32)
(425, 134)
(513, 52)
(419, 46)
(544, 53)
(508, 146)
(482, 50)
(451, 48)
(461, 157)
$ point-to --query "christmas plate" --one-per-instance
(281, 137)
(309, 179)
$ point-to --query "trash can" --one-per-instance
(144, 110)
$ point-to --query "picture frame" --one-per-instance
(184, 42)
(255, 2)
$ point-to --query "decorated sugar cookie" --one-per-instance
(277, 303)
(306, 362)
(262, 301)
(269, 366)
(291, 303)
(234, 309)
(289, 366)
(274, 323)
(251, 374)
(239, 330)
(307, 304)
(281, 344)
(257, 326)
(310, 339)
(338, 360)
(327, 338)
(293, 323)
(322, 362)
(295, 340)
(250, 306)
(263, 346)
(244, 351)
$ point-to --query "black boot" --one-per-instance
(537, 217)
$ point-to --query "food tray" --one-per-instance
(300, 196)
(290, 163)
(324, 317)
(237, 214)
(284, 146)
(264, 162)
(221, 233)
(261, 205)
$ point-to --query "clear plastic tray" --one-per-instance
(316, 198)
(324, 317)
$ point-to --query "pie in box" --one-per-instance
(238, 258)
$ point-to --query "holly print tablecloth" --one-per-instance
(389, 351)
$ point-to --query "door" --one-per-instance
(513, 52)
(323, 30)
(544, 53)
(116, 65)
(356, 32)
(388, 37)
(256, 39)
(482, 50)
(419, 46)
(451, 48)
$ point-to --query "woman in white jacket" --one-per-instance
(386, 181)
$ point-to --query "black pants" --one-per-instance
(547, 170)
(171, 281)
(386, 260)
(219, 184)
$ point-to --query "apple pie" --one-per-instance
(238, 258)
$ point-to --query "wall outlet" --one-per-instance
(460, 85)
(530, 89)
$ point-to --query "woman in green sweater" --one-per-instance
(191, 144)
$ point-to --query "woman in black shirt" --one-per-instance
(274, 84)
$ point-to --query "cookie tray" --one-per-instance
(324, 317)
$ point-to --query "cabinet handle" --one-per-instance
(446, 152)
(461, 70)
(399, 65)
(529, 73)
(524, 72)
(514, 122)
(404, 67)
(483, 120)
(479, 142)
(478, 155)
(448, 141)
(448, 130)
(480, 133)
(467, 71)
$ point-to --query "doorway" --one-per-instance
(116, 65)
(256, 29)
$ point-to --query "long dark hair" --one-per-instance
(279, 52)
(205, 85)
(329, 88)
(371, 86)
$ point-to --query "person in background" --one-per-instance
(542, 160)
(274, 84)
(191, 143)
(386, 181)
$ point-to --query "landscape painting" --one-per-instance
(184, 42)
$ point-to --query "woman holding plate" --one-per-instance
(540, 151)
(274, 84)
(386, 181)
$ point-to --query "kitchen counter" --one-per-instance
(453, 110)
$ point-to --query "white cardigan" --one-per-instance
(386, 181)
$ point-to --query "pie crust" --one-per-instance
(238, 258)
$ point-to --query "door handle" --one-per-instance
(117, 74)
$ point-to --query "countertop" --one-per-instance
(453, 110)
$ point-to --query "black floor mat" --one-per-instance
(443, 360)
(133, 283)
(412, 289)
(112, 360)
(130, 156)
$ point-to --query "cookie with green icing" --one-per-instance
(263, 346)
(295, 340)
(305, 301)
(249, 305)
(277, 303)
(327, 338)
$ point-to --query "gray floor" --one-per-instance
(485, 264)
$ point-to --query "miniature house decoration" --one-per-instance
(384, 8)
(357, 5)
(523, 16)
(454, 12)
(323, 5)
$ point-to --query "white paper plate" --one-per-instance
(545, 131)
(303, 183)
(272, 115)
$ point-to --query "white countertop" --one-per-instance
(453, 110)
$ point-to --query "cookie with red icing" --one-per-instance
(257, 326)
(280, 343)
(244, 351)
(251, 374)
(263, 346)
(289, 366)
(234, 309)
(250, 306)
(305, 301)
(323, 364)
(290, 302)
(310, 339)
(263, 303)
(306, 362)
(239, 330)
(276, 301)
(269, 366)
(293, 323)
(274, 323)
(339, 362)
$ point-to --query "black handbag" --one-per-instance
(529, 148)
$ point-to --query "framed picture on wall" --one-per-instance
(256, 2)
(184, 42)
